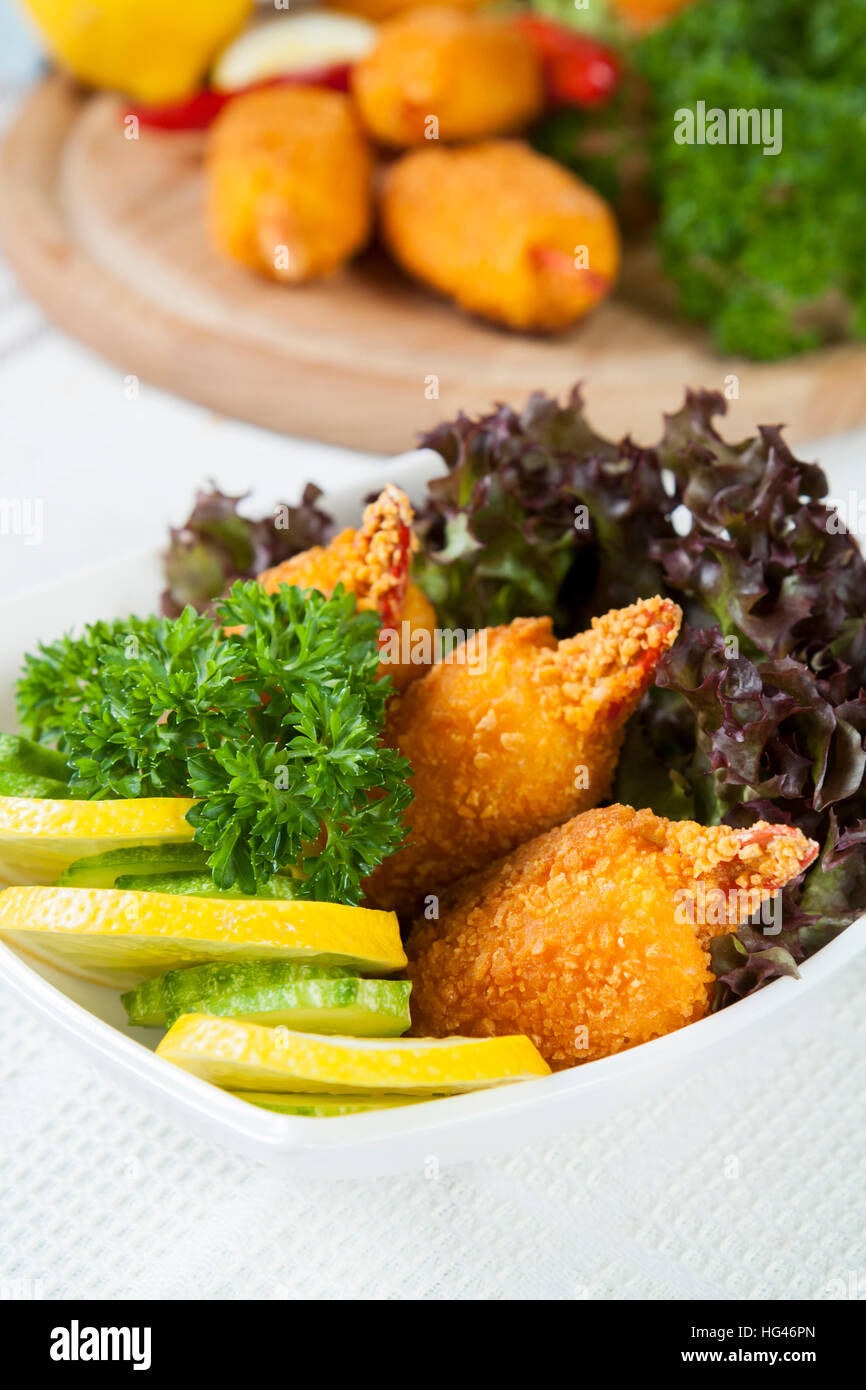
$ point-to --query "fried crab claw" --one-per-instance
(610, 667)
(373, 564)
(731, 874)
(593, 937)
(512, 733)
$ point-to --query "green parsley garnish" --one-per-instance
(275, 729)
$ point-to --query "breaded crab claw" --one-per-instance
(593, 938)
(373, 564)
(510, 734)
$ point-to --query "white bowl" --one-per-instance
(363, 1145)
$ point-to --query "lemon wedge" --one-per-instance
(39, 837)
(247, 1057)
(118, 937)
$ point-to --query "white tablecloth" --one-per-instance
(743, 1182)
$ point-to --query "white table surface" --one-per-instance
(744, 1182)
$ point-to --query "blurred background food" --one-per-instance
(645, 14)
(289, 181)
(496, 227)
(472, 74)
(385, 9)
(546, 140)
(319, 47)
(155, 52)
(767, 250)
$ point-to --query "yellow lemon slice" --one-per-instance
(247, 1057)
(39, 838)
(297, 1103)
(118, 937)
(157, 52)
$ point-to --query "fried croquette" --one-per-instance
(588, 939)
(289, 176)
(510, 734)
(504, 232)
(440, 74)
(373, 564)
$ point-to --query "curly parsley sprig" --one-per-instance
(272, 721)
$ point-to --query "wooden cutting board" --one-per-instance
(107, 234)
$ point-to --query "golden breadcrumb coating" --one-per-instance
(441, 74)
(582, 940)
(289, 182)
(503, 231)
(373, 564)
(510, 734)
(745, 867)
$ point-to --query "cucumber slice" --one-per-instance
(305, 998)
(29, 759)
(322, 1106)
(25, 784)
(201, 885)
(136, 863)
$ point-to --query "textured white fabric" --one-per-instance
(744, 1182)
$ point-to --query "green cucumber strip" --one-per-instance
(26, 784)
(181, 990)
(321, 1105)
(103, 870)
(305, 998)
(201, 885)
(146, 1004)
(34, 759)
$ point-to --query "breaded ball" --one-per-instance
(505, 232)
(289, 172)
(589, 939)
(442, 74)
(510, 733)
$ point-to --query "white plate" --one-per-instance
(353, 1145)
